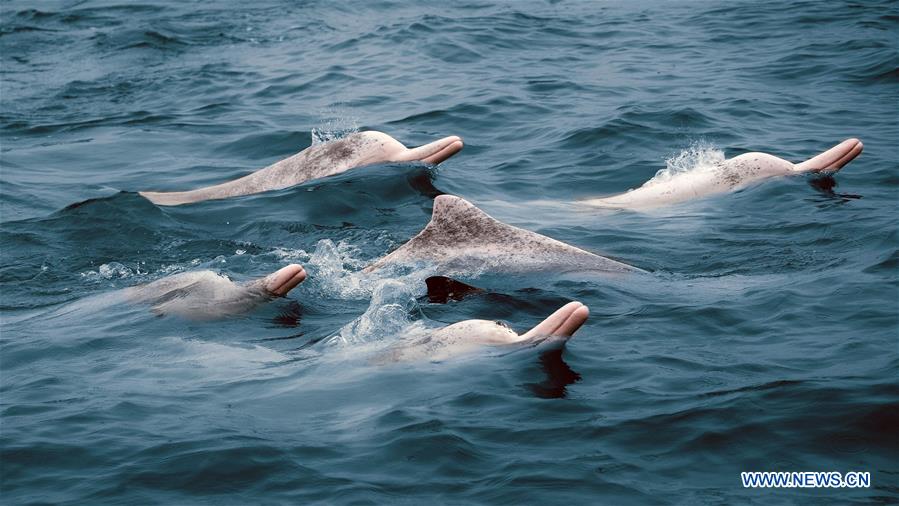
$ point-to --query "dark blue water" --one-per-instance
(765, 339)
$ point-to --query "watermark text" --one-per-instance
(806, 479)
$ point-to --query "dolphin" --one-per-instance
(206, 295)
(356, 150)
(462, 237)
(732, 174)
(471, 335)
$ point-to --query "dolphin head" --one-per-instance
(563, 323)
(470, 336)
(478, 331)
(830, 161)
(380, 147)
(747, 168)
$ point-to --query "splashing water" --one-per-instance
(699, 157)
(335, 267)
(290, 255)
(337, 272)
(111, 270)
(391, 292)
(336, 127)
(388, 314)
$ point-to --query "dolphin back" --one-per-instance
(461, 237)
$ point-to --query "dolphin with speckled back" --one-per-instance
(326, 159)
(462, 237)
(729, 175)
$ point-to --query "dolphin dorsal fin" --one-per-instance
(456, 221)
(460, 235)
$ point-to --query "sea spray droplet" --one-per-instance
(337, 127)
(292, 255)
(700, 156)
(112, 270)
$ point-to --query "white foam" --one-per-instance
(699, 157)
(291, 255)
(336, 268)
(337, 126)
(111, 270)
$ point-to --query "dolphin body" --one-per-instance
(469, 336)
(462, 237)
(356, 150)
(732, 174)
(205, 295)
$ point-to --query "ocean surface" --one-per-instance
(765, 338)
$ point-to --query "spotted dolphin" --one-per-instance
(356, 150)
(728, 175)
(461, 236)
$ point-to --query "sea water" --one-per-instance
(764, 338)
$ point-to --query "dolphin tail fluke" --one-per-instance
(833, 159)
(434, 152)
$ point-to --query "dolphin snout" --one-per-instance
(435, 152)
(564, 322)
(285, 279)
(834, 158)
